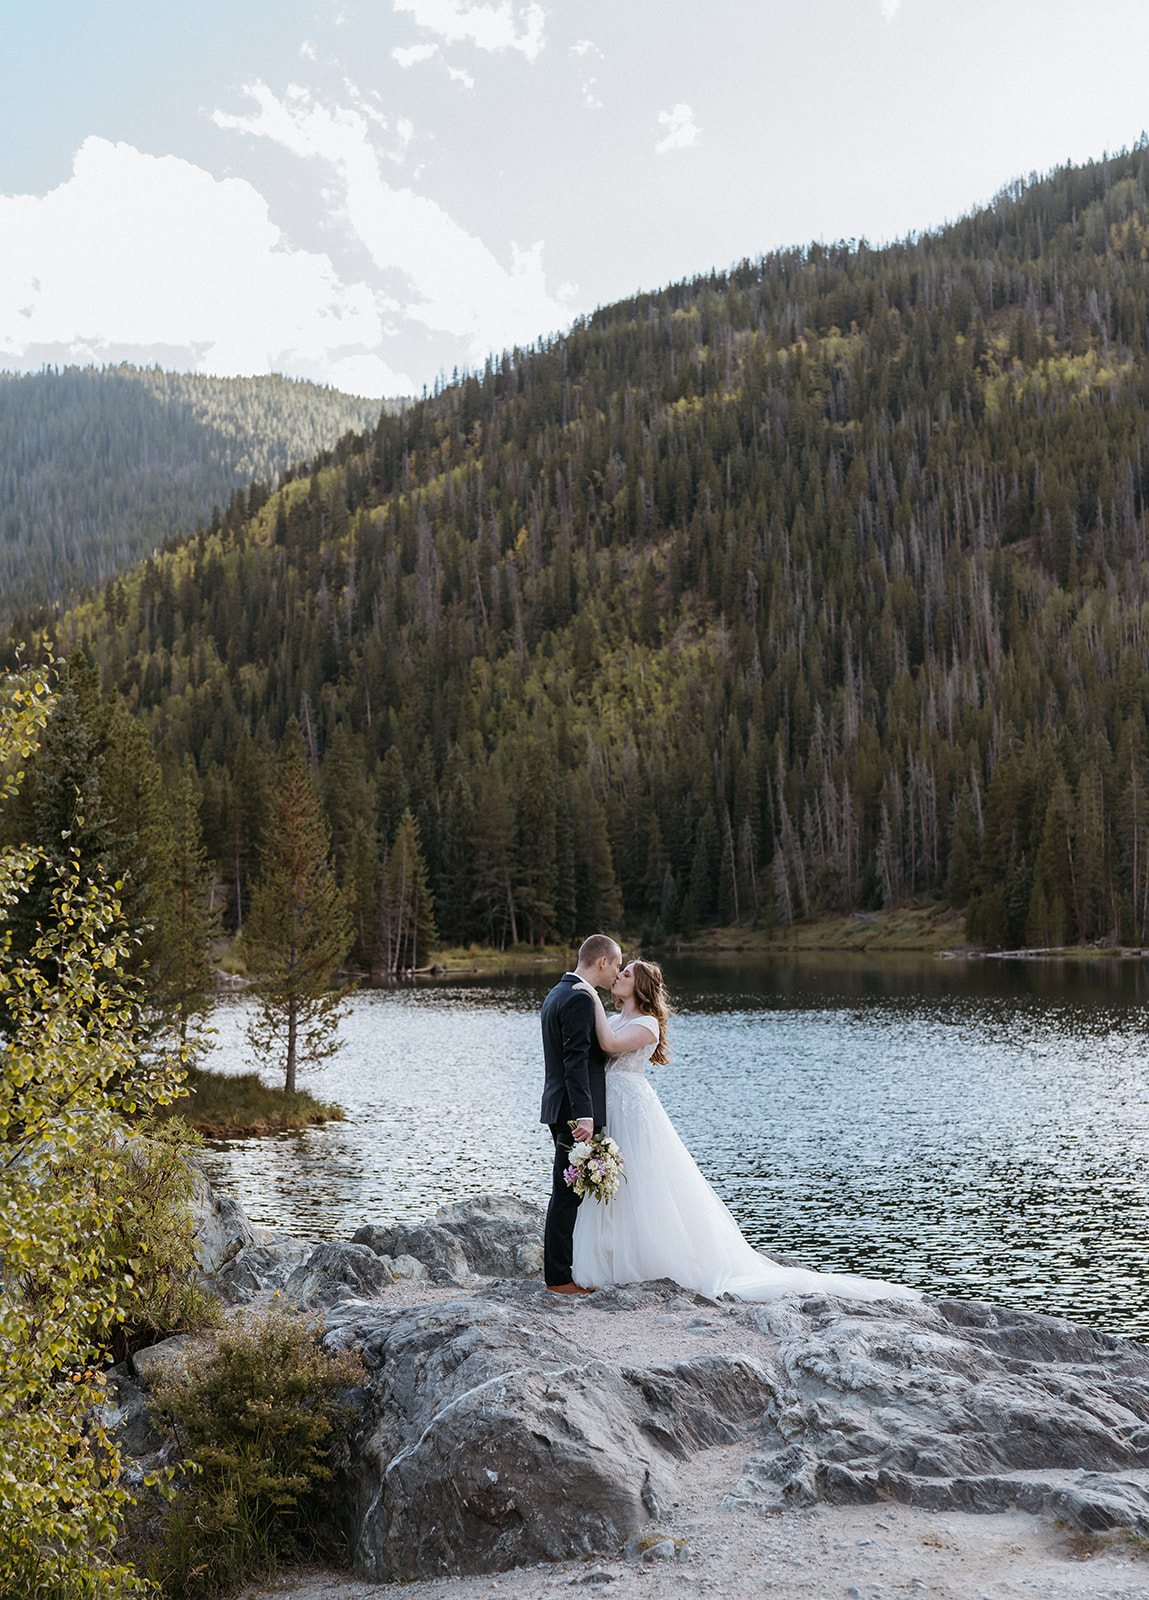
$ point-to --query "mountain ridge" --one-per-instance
(815, 584)
(102, 464)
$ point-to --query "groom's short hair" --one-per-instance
(595, 949)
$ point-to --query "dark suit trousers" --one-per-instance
(558, 1237)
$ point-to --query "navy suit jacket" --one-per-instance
(575, 1085)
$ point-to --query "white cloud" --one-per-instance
(488, 27)
(135, 253)
(455, 285)
(307, 50)
(457, 75)
(411, 54)
(681, 129)
(590, 97)
(890, 8)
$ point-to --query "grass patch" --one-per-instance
(222, 1106)
(927, 929)
(1084, 1544)
(228, 957)
(462, 959)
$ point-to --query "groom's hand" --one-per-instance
(583, 1129)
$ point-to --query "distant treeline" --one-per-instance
(817, 584)
(98, 466)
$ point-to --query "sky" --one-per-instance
(377, 193)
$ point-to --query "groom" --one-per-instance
(574, 1091)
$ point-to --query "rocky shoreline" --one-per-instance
(500, 1427)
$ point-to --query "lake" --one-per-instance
(978, 1129)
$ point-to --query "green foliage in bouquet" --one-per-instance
(253, 1419)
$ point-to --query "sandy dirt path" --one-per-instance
(826, 1553)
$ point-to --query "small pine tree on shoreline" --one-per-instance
(298, 930)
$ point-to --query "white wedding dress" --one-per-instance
(667, 1222)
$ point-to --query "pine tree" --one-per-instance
(656, 869)
(298, 930)
(536, 807)
(454, 894)
(494, 861)
(60, 808)
(1054, 917)
(963, 853)
(406, 906)
(599, 900)
(132, 791)
(191, 922)
(248, 812)
(350, 804)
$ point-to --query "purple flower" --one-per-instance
(571, 1175)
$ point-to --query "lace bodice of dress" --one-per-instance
(633, 1060)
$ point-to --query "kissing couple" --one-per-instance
(665, 1221)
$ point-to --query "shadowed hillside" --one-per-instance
(99, 466)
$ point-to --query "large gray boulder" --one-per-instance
(491, 1441)
(261, 1267)
(490, 1236)
(126, 1416)
(501, 1235)
(434, 1247)
(334, 1272)
(500, 1427)
(492, 1435)
(171, 1357)
(220, 1226)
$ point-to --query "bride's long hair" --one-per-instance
(650, 998)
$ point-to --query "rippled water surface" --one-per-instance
(977, 1130)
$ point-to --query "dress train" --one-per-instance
(666, 1221)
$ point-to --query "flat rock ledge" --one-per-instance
(500, 1425)
(495, 1432)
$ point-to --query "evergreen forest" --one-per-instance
(816, 585)
(99, 466)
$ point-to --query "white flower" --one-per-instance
(580, 1151)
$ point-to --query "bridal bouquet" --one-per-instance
(595, 1167)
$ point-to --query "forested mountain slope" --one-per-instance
(99, 466)
(817, 584)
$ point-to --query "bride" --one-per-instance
(666, 1221)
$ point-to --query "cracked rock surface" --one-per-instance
(954, 1405)
(501, 1428)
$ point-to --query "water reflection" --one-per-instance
(976, 1129)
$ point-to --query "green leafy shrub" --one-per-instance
(148, 1243)
(72, 1072)
(253, 1419)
